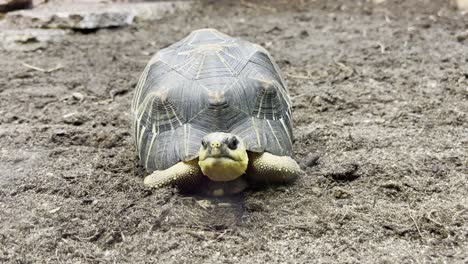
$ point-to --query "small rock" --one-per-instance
(462, 36)
(53, 211)
(316, 191)
(75, 119)
(93, 16)
(119, 91)
(391, 185)
(304, 34)
(78, 96)
(205, 204)
(60, 132)
(274, 30)
(311, 159)
(255, 206)
(72, 16)
(344, 172)
(88, 201)
(339, 193)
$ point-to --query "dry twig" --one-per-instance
(417, 226)
(296, 76)
(56, 68)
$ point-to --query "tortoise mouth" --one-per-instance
(222, 168)
(221, 152)
(215, 160)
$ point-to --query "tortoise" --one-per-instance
(212, 108)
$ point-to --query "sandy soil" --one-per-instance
(380, 108)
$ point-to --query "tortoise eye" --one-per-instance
(233, 143)
(204, 143)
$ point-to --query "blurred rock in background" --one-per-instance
(92, 15)
(462, 5)
(9, 5)
(47, 21)
(29, 39)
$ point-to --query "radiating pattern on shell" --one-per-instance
(209, 82)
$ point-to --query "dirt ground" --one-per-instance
(380, 95)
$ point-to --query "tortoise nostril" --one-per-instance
(215, 144)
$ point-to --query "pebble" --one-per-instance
(462, 36)
(78, 96)
(75, 119)
(311, 159)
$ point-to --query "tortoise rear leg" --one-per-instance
(269, 168)
(184, 174)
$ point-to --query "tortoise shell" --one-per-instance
(209, 82)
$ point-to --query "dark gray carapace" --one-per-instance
(209, 82)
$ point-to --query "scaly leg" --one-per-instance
(184, 174)
(269, 168)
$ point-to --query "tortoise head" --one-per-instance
(222, 156)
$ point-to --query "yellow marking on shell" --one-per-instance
(142, 80)
(284, 89)
(286, 130)
(157, 119)
(256, 131)
(204, 87)
(191, 65)
(201, 66)
(275, 84)
(138, 134)
(274, 135)
(153, 138)
(230, 55)
(288, 113)
(175, 114)
(225, 63)
(163, 152)
(186, 138)
(149, 114)
(140, 140)
(141, 108)
(167, 114)
(202, 48)
(284, 94)
(140, 85)
(266, 84)
(272, 60)
(260, 105)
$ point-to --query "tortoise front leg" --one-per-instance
(269, 168)
(182, 174)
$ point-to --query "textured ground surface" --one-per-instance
(380, 107)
